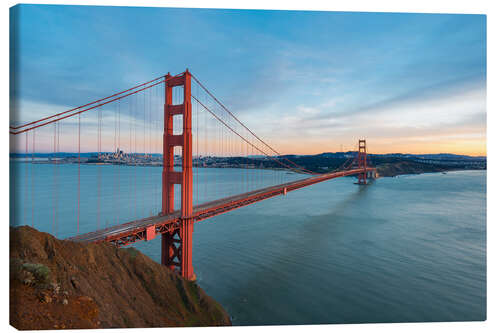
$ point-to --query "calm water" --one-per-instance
(410, 248)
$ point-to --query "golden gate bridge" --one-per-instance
(177, 123)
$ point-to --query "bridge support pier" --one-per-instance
(177, 244)
(170, 249)
(187, 250)
(177, 250)
(362, 161)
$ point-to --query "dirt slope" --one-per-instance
(61, 284)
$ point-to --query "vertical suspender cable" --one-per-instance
(242, 174)
(252, 174)
(155, 129)
(99, 124)
(114, 156)
(135, 158)
(205, 128)
(129, 153)
(33, 179)
(197, 149)
(150, 149)
(247, 161)
(78, 210)
(57, 175)
(54, 184)
(119, 203)
(217, 146)
(144, 147)
(26, 189)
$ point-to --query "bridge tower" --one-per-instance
(177, 245)
(362, 161)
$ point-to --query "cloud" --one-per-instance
(304, 78)
(433, 114)
(308, 110)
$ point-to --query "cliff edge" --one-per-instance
(57, 284)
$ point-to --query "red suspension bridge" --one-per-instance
(163, 124)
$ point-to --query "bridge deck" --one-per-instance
(133, 231)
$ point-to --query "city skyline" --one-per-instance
(409, 83)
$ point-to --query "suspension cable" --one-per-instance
(92, 107)
(82, 106)
(248, 142)
(235, 118)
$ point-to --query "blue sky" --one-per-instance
(307, 82)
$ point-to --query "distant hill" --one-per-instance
(426, 156)
(388, 164)
(325, 154)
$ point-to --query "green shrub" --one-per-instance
(39, 271)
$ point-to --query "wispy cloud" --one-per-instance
(428, 115)
(305, 81)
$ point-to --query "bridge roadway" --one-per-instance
(148, 228)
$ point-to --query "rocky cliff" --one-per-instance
(62, 284)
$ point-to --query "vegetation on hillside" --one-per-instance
(57, 284)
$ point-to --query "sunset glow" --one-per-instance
(306, 82)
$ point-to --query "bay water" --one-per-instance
(403, 249)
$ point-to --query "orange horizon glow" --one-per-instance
(470, 148)
(471, 144)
